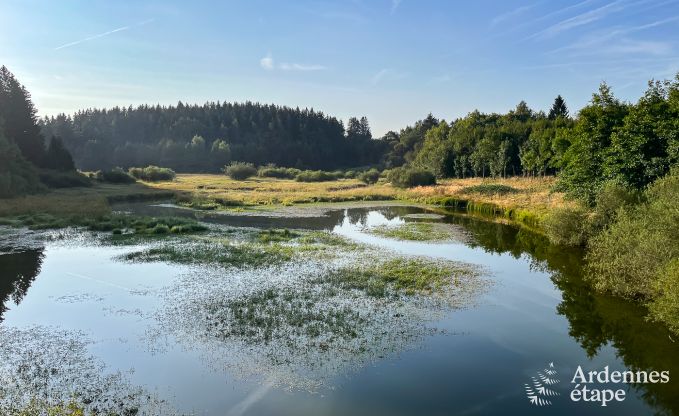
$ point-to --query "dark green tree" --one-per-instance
(19, 115)
(57, 157)
(558, 109)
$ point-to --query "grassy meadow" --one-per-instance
(533, 197)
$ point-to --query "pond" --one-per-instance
(77, 314)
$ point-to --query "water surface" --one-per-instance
(472, 360)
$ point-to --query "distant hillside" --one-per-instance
(203, 138)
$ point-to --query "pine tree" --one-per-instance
(558, 109)
(57, 157)
(19, 114)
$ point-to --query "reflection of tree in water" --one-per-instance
(17, 272)
(595, 320)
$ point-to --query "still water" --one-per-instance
(474, 360)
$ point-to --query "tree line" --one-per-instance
(204, 138)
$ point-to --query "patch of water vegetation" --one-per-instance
(115, 223)
(400, 276)
(271, 313)
(420, 231)
(221, 253)
(268, 236)
(44, 371)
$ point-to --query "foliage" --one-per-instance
(371, 176)
(410, 177)
(567, 226)
(115, 175)
(665, 304)
(19, 115)
(240, 171)
(57, 157)
(317, 176)
(63, 179)
(204, 138)
(153, 173)
(271, 171)
(17, 176)
(627, 257)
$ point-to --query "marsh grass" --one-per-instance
(417, 231)
(261, 315)
(489, 189)
(224, 254)
(118, 224)
(398, 276)
(269, 236)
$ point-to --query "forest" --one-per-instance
(204, 138)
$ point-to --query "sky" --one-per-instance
(393, 61)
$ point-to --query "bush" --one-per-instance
(315, 176)
(60, 179)
(567, 226)
(115, 175)
(370, 176)
(271, 171)
(609, 200)
(153, 173)
(350, 174)
(665, 306)
(409, 177)
(627, 258)
(240, 171)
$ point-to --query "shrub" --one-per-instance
(60, 179)
(350, 174)
(609, 200)
(315, 176)
(405, 177)
(153, 173)
(665, 306)
(627, 258)
(566, 226)
(115, 175)
(370, 176)
(240, 171)
(271, 171)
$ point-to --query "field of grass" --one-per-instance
(85, 202)
(524, 200)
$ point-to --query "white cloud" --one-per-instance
(267, 62)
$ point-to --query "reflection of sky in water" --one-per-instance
(480, 365)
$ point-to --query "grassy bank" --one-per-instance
(524, 200)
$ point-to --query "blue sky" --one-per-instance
(393, 61)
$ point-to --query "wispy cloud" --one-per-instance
(394, 5)
(300, 67)
(89, 38)
(616, 40)
(583, 19)
(101, 35)
(511, 14)
(269, 64)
